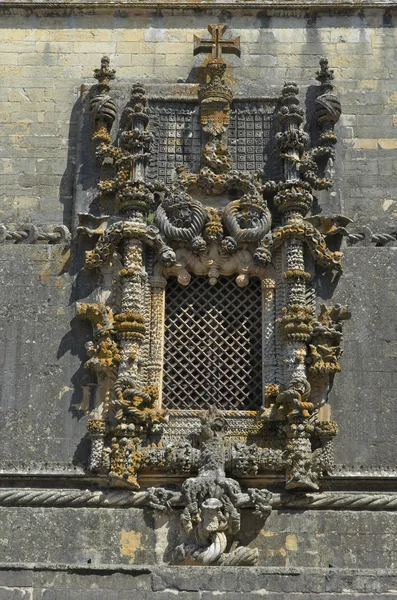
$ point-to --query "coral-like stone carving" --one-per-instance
(180, 229)
(211, 513)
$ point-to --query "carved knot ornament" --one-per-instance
(211, 361)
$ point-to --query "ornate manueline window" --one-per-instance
(211, 360)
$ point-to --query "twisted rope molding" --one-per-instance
(339, 501)
(125, 499)
(31, 234)
(365, 237)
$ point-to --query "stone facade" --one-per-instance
(78, 533)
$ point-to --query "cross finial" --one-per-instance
(104, 75)
(216, 45)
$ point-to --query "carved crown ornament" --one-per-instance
(211, 358)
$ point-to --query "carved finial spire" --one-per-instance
(290, 112)
(216, 97)
(104, 75)
(327, 106)
(102, 108)
(325, 76)
(139, 101)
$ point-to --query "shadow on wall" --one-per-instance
(67, 185)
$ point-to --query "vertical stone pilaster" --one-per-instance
(130, 320)
(156, 356)
(269, 333)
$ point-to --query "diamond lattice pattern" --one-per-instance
(213, 345)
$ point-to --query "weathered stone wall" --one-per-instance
(290, 538)
(68, 582)
(45, 56)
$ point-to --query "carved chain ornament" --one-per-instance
(218, 222)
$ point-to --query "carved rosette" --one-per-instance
(157, 230)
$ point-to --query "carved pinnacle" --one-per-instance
(325, 75)
(104, 75)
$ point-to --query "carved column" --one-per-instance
(294, 200)
(130, 321)
(268, 339)
(156, 353)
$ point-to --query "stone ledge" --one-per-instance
(56, 581)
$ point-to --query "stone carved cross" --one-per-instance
(216, 45)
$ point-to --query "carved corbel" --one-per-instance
(211, 517)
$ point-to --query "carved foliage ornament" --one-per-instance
(158, 230)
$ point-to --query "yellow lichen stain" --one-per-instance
(392, 99)
(130, 542)
(45, 274)
(267, 533)
(279, 552)
(291, 542)
(387, 204)
(64, 391)
(57, 265)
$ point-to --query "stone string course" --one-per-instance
(30, 234)
(87, 498)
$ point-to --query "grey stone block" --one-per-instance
(12, 593)
(191, 579)
(14, 577)
(103, 580)
(89, 594)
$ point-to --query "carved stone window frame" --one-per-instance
(208, 451)
(267, 280)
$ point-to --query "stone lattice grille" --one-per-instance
(212, 353)
(250, 131)
(177, 139)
